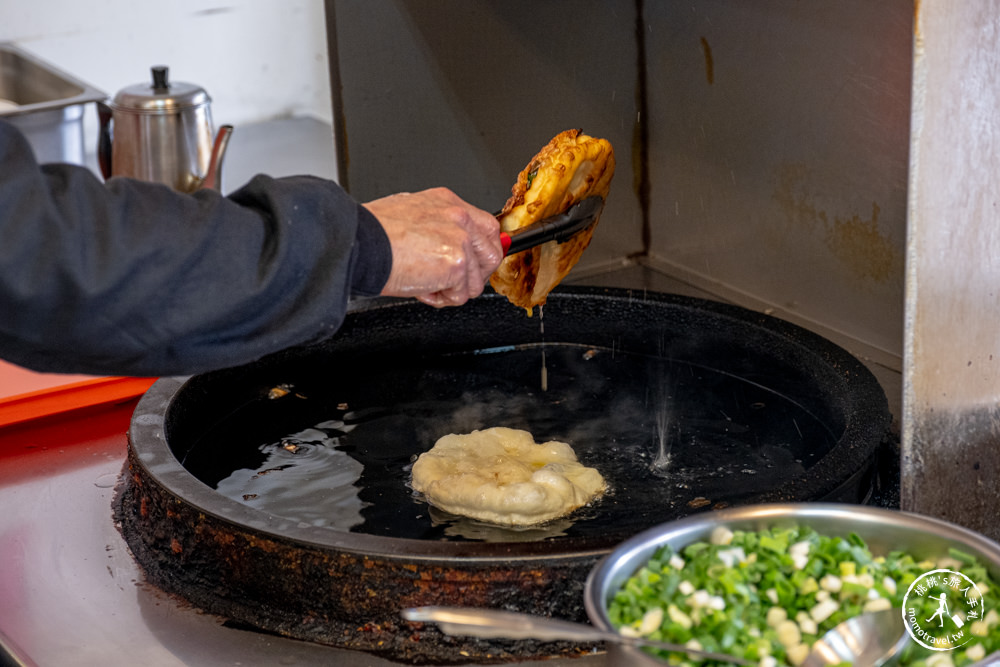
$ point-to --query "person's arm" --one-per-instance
(133, 278)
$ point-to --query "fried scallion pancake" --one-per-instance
(572, 167)
(501, 476)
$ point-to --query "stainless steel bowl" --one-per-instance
(883, 530)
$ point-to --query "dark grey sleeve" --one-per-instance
(133, 278)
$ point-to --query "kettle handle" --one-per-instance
(105, 117)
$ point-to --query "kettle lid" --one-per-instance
(160, 95)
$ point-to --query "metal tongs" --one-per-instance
(559, 227)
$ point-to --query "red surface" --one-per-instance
(51, 445)
(16, 379)
(66, 398)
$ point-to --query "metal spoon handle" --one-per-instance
(492, 623)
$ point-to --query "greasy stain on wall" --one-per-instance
(853, 238)
(709, 61)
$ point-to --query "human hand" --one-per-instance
(443, 249)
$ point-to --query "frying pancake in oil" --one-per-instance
(502, 476)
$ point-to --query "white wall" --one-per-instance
(258, 59)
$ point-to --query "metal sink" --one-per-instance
(45, 103)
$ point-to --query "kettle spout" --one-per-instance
(213, 179)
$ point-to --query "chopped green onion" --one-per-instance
(768, 595)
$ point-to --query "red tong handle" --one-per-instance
(505, 242)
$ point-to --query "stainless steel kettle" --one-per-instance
(162, 132)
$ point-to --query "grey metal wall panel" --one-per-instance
(778, 156)
(778, 134)
(463, 94)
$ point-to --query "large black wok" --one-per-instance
(276, 494)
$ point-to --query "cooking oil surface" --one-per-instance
(670, 437)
